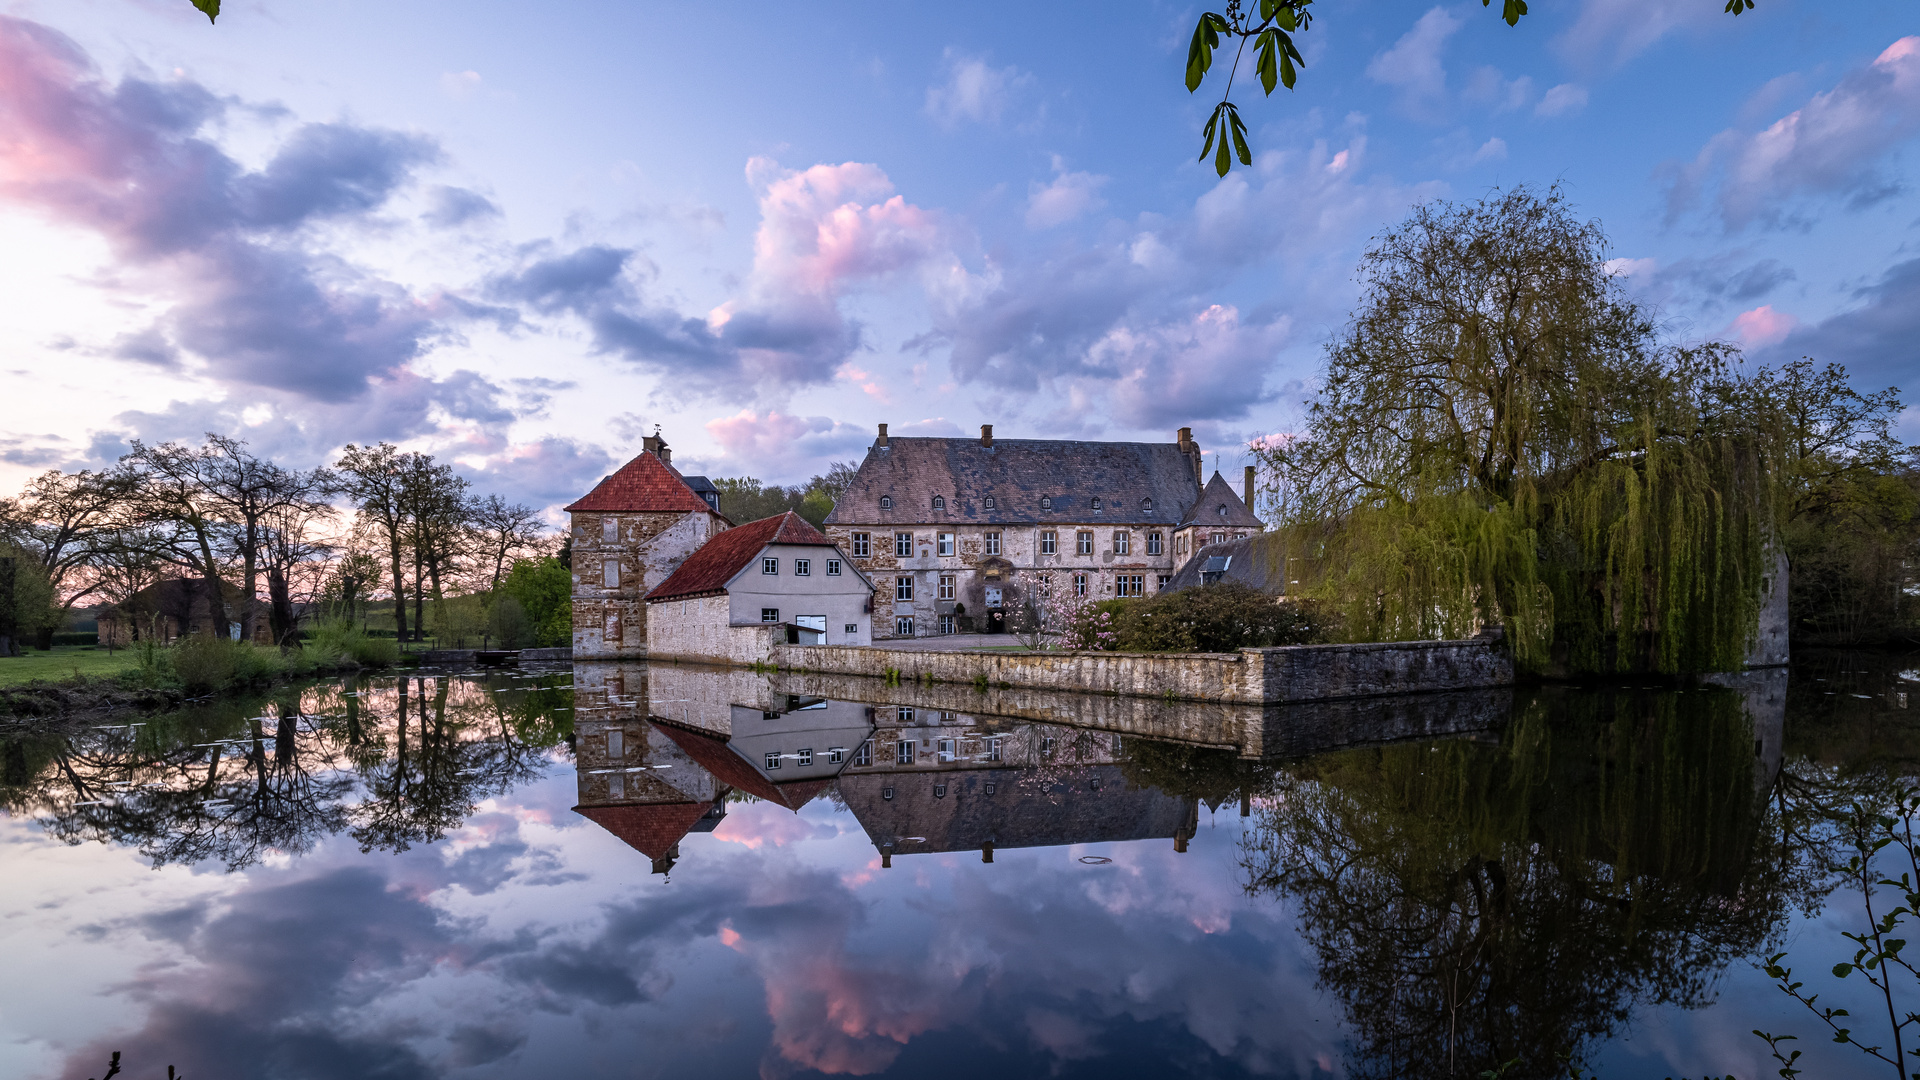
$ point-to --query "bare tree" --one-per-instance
(67, 522)
(168, 488)
(375, 478)
(436, 506)
(502, 531)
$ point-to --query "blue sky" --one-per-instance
(521, 236)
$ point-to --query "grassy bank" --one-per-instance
(66, 662)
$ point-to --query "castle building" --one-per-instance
(949, 529)
(629, 534)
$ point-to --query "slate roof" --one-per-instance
(709, 569)
(1220, 505)
(1017, 474)
(651, 829)
(715, 756)
(1020, 813)
(1255, 562)
(644, 485)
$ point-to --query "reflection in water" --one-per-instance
(394, 761)
(1475, 879)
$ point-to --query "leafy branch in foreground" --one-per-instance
(1277, 60)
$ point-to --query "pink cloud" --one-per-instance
(1210, 365)
(763, 824)
(1762, 326)
(783, 442)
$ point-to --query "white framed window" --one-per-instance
(1079, 584)
(946, 586)
(993, 748)
(939, 502)
(905, 714)
(946, 624)
(903, 626)
(1046, 502)
(993, 543)
(1147, 505)
(610, 530)
(863, 754)
(903, 752)
(1083, 543)
(903, 589)
(802, 567)
(616, 744)
(769, 614)
(1219, 538)
(1046, 746)
(903, 545)
(806, 757)
(945, 543)
(773, 760)
(886, 502)
(1096, 504)
(1154, 546)
(1049, 542)
(1122, 543)
(1162, 583)
(945, 749)
(853, 629)
(769, 566)
(862, 545)
(1132, 585)
(987, 503)
(610, 573)
(836, 754)
(833, 567)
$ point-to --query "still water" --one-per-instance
(613, 871)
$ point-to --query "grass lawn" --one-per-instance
(62, 663)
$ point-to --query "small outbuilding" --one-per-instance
(773, 581)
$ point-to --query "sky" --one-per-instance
(520, 237)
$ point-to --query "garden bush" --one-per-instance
(340, 642)
(1212, 618)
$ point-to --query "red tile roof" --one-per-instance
(644, 485)
(709, 569)
(715, 756)
(651, 829)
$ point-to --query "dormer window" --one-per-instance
(1223, 509)
(1096, 505)
(939, 502)
(1146, 504)
(886, 502)
(988, 503)
(1046, 502)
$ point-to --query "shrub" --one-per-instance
(508, 624)
(340, 642)
(544, 588)
(1213, 618)
(205, 664)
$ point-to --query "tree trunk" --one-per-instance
(399, 591)
(9, 618)
(419, 600)
(280, 617)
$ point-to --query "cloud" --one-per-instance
(1875, 341)
(1832, 145)
(1211, 365)
(1561, 100)
(973, 91)
(782, 442)
(1494, 149)
(1487, 86)
(249, 290)
(1413, 65)
(1611, 32)
(1761, 326)
(453, 207)
(1069, 195)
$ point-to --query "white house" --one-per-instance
(777, 580)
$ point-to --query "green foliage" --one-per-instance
(460, 622)
(1213, 618)
(745, 499)
(212, 10)
(205, 664)
(508, 625)
(544, 590)
(342, 643)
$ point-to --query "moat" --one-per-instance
(610, 870)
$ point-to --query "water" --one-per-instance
(520, 874)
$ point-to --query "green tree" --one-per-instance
(544, 590)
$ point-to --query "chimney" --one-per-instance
(881, 442)
(986, 436)
(1248, 487)
(986, 852)
(1186, 439)
(657, 446)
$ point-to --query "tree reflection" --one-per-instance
(1480, 905)
(396, 762)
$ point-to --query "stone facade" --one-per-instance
(949, 529)
(629, 535)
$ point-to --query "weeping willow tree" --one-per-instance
(1503, 439)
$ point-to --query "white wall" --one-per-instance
(842, 600)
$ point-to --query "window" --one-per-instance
(616, 748)
(833, 567)
(1122, 543)
(1079, 584)
(609, 530)
(905, 715)
(1162, 583)
(1083, 543)
(836, 755)
(903, 752)
(993, 748)
(987, 503)
(863, 754)
(945, 749)
(946, 624)
(1046, 502)
(939, 502)
(886, 502)
(1146, 504)
(806, 757)
(862, 545)
(903, 589)
(903, 626)
(1096, 505)
(946, 543)
(1219, 538)
(993, 543)
(1046, 746)
(1049, 542)
(802, 567)
(769, 614)
(610, 573)
(903, 545)
(773, 760)
(769, 566)
(617, 786)
(853, 629)
(1132, 585)
(1154, 547)
(946, 586)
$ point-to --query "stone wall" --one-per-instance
(1251, 676)
(611, 622)
(700, 629)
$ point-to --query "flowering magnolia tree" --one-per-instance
(1054, 616)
